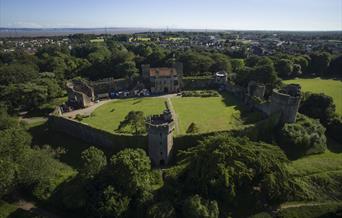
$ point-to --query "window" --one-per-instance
(175, 82)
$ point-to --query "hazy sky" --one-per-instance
(202, 14)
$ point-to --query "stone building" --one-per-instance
(256, 89)
(80, 94)
(160, 137)
(221, 77)
(286, 101)
(163, 79)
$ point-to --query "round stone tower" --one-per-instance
(160, 137)
(286, 101)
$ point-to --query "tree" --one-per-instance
(127, 69)
(319, 63)
(197, 207)
(237, 65)
(112, 203)
(264, 74)
(131, 171)
(162, 210)
(134, 121)
(336, 66)
(284, 67)
(221, 63)
(17, 73)
(303, 61)
(93, 160)
(192, 128)
(236, 171)
(318, 106)
(306, 136)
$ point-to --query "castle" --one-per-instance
(160, 137)
(163, 80)
(285, 101)
(80, 94)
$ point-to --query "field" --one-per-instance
(329, 87)
(209, 114)
(98, 40)
(109, 116)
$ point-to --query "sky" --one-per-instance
(191, 14)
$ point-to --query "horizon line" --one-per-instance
(173, 28)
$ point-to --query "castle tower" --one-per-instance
(256, 89)
(160, 137)
(286, 101)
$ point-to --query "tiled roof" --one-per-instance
(163, 71)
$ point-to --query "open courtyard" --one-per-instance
(209, 114)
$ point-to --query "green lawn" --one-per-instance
(320, 175)
(329, 87)
(109, 116)
(210, 114)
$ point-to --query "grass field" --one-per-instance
(320, 175)
(210, 114)
(329, 87)
(109, 116)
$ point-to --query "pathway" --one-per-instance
(86, 111)
(174, 115)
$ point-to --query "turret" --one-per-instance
(160, 137)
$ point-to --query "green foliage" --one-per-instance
(318, 106)
(43, 174)
(319, 63)
(323, 211)
(131, 169)
(304, 137)
(334, 128)
(202, 93)
(134, 121)
(236, 172)
(17, 73)
(192, 128)
(162, 210)
(336, 66)
(94, 160)
(284, 67)
(112, 203)
(197, 207)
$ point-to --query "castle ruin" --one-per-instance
(160, 137)
(286, 100)
(80, 94)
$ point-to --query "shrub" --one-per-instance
(79, 117)
(334, 128)
(304, 137)
(203, 93)
(192, 128)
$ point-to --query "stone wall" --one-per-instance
(110, 85)
(97, 137)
